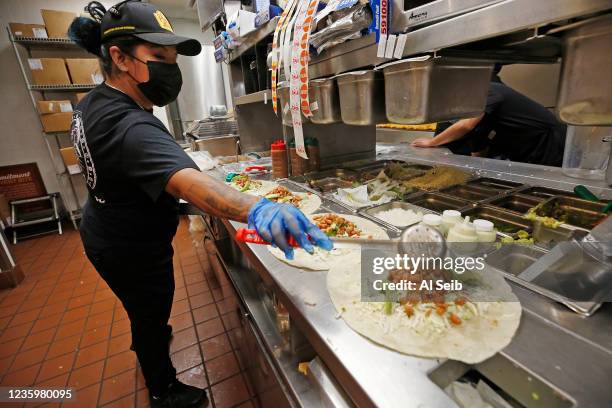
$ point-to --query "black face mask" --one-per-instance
(164, 84)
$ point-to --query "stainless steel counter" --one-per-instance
(557, 358)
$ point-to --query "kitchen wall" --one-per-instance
(22, 140)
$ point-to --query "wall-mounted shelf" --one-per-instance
(44, 42)
(254, 97)
(501, 23)
(62, 88)
(254, 37)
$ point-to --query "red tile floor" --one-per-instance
(62, 326)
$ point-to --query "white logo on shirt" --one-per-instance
(77, 134)
(98, 199)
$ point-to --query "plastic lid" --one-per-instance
(465, 227)
(483, 225)
(451, 214)
(278, 145)
(432, 219)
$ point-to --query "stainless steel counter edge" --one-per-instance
(363, 368)
(569, 352)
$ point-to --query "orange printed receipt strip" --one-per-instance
(279, 33)
(306, 28)
(296, 81)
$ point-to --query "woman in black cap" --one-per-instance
(135, 173)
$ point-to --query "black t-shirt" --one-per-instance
(127, 157)
(525, 131)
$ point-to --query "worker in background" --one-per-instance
(524, 130)
(135, 174)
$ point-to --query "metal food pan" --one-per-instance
(329, 184)
(373, 211)
(437, 202)
(470, 193)
(583, 97)
(323, 94)
(426, 90)
(341, 173)
(510, 223)
(362, 97)
(517, 203)
(379, 164)
(504, 221)
(544, 192)
(574, 211)
(513, 259)
(494, 184)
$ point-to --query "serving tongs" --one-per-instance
(417, 240)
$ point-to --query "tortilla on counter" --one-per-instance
(321, 259)
(474, 340)
(259, 190)
(308, 204)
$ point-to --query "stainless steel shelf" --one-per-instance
(495, 21)
(254, 97)
(44, 42)
(254, 37)
(62, 88)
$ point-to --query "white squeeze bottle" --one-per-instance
(449, 219)
(432, 220)
(485, 231)
(463, 232)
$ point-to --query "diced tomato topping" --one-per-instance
(409, 310)
(454, 319)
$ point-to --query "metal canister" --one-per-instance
(280, 164)
(312, 150)
(299, 165)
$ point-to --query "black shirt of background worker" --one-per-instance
(525, 131)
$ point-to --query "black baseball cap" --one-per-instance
(147, 22)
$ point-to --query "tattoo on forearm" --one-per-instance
(215, 198)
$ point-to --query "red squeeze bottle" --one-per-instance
(280, 166)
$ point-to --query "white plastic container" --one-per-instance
(449, 219)
(432, 220)
(463, 232)
(485, 231)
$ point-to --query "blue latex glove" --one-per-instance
(274, 221)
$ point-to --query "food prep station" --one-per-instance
(292, 342)
(285, 315)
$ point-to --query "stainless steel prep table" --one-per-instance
(555, 351)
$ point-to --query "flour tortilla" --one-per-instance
(322, 260)
(309, 204)
(265, 187)
(473, 341)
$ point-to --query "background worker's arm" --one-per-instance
(454, 132)
(210, 195)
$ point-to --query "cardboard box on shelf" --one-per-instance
(80, 95)
(70, 160)
(57, 22)
(54, 106)
(85, 71)
(69, 156)
(241, 22)
(28, 30)
(49, 71)
(56, 122)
